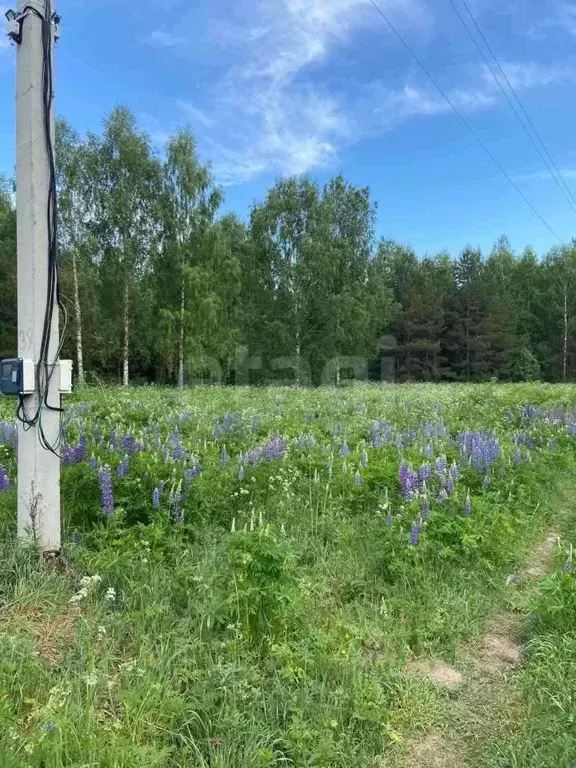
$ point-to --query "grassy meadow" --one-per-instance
(249, 574)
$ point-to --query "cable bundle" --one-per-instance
(46, 367)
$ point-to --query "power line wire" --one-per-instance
(463, 120)
(527, 116)
(543, 152)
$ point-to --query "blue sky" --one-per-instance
(276, 87)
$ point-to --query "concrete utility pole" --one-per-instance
(38, 468)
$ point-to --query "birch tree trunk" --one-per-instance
(79, 352)
(181, 341)
(125, 369)
(565, 348)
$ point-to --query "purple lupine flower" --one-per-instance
(424, 508)
(380, 434)
(404, 476)
(454, 471)
(274, 447)
(428, 450)
(189, 473)
(128, 444)
(357, 478)
(486, 481)
(424, 472)
(363, 457)
(177, 447)
(344, 450)
(5, 432)
(73, 454)
(414, 536)
(467, 505)
(106, 493)
(156, 497)
(122, 468)
(4, 479)
(440, 465)
(480, 448)
(448, 485)
(92, 462)
(176, 512)
(442, 496)
(223, 457)
(516, 455)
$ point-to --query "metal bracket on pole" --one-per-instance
(14, 26)
(14, 23)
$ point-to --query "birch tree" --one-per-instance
(190, 202)
(73, 219)
(125, 198)
(561, 265)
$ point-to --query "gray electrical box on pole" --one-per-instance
(38, 468)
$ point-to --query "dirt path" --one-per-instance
(477, 692)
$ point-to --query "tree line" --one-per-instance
(161, 286)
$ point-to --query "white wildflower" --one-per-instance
(91, 680)
(79, 595)
(110, 594)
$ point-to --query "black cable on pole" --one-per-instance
(464, 121)
(45, 366)
(544, 155)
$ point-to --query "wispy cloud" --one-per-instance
(561, 16)
(531, 74)
(278, 108)
(285, 121)
(196, 115)
(544, 175)
(160, 38)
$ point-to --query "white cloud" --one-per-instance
(563, 16)
(544, 175)
(196, 115)
(283, 120)
(279, 108)
(159, 38)
(531, 74)
(567, 17)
